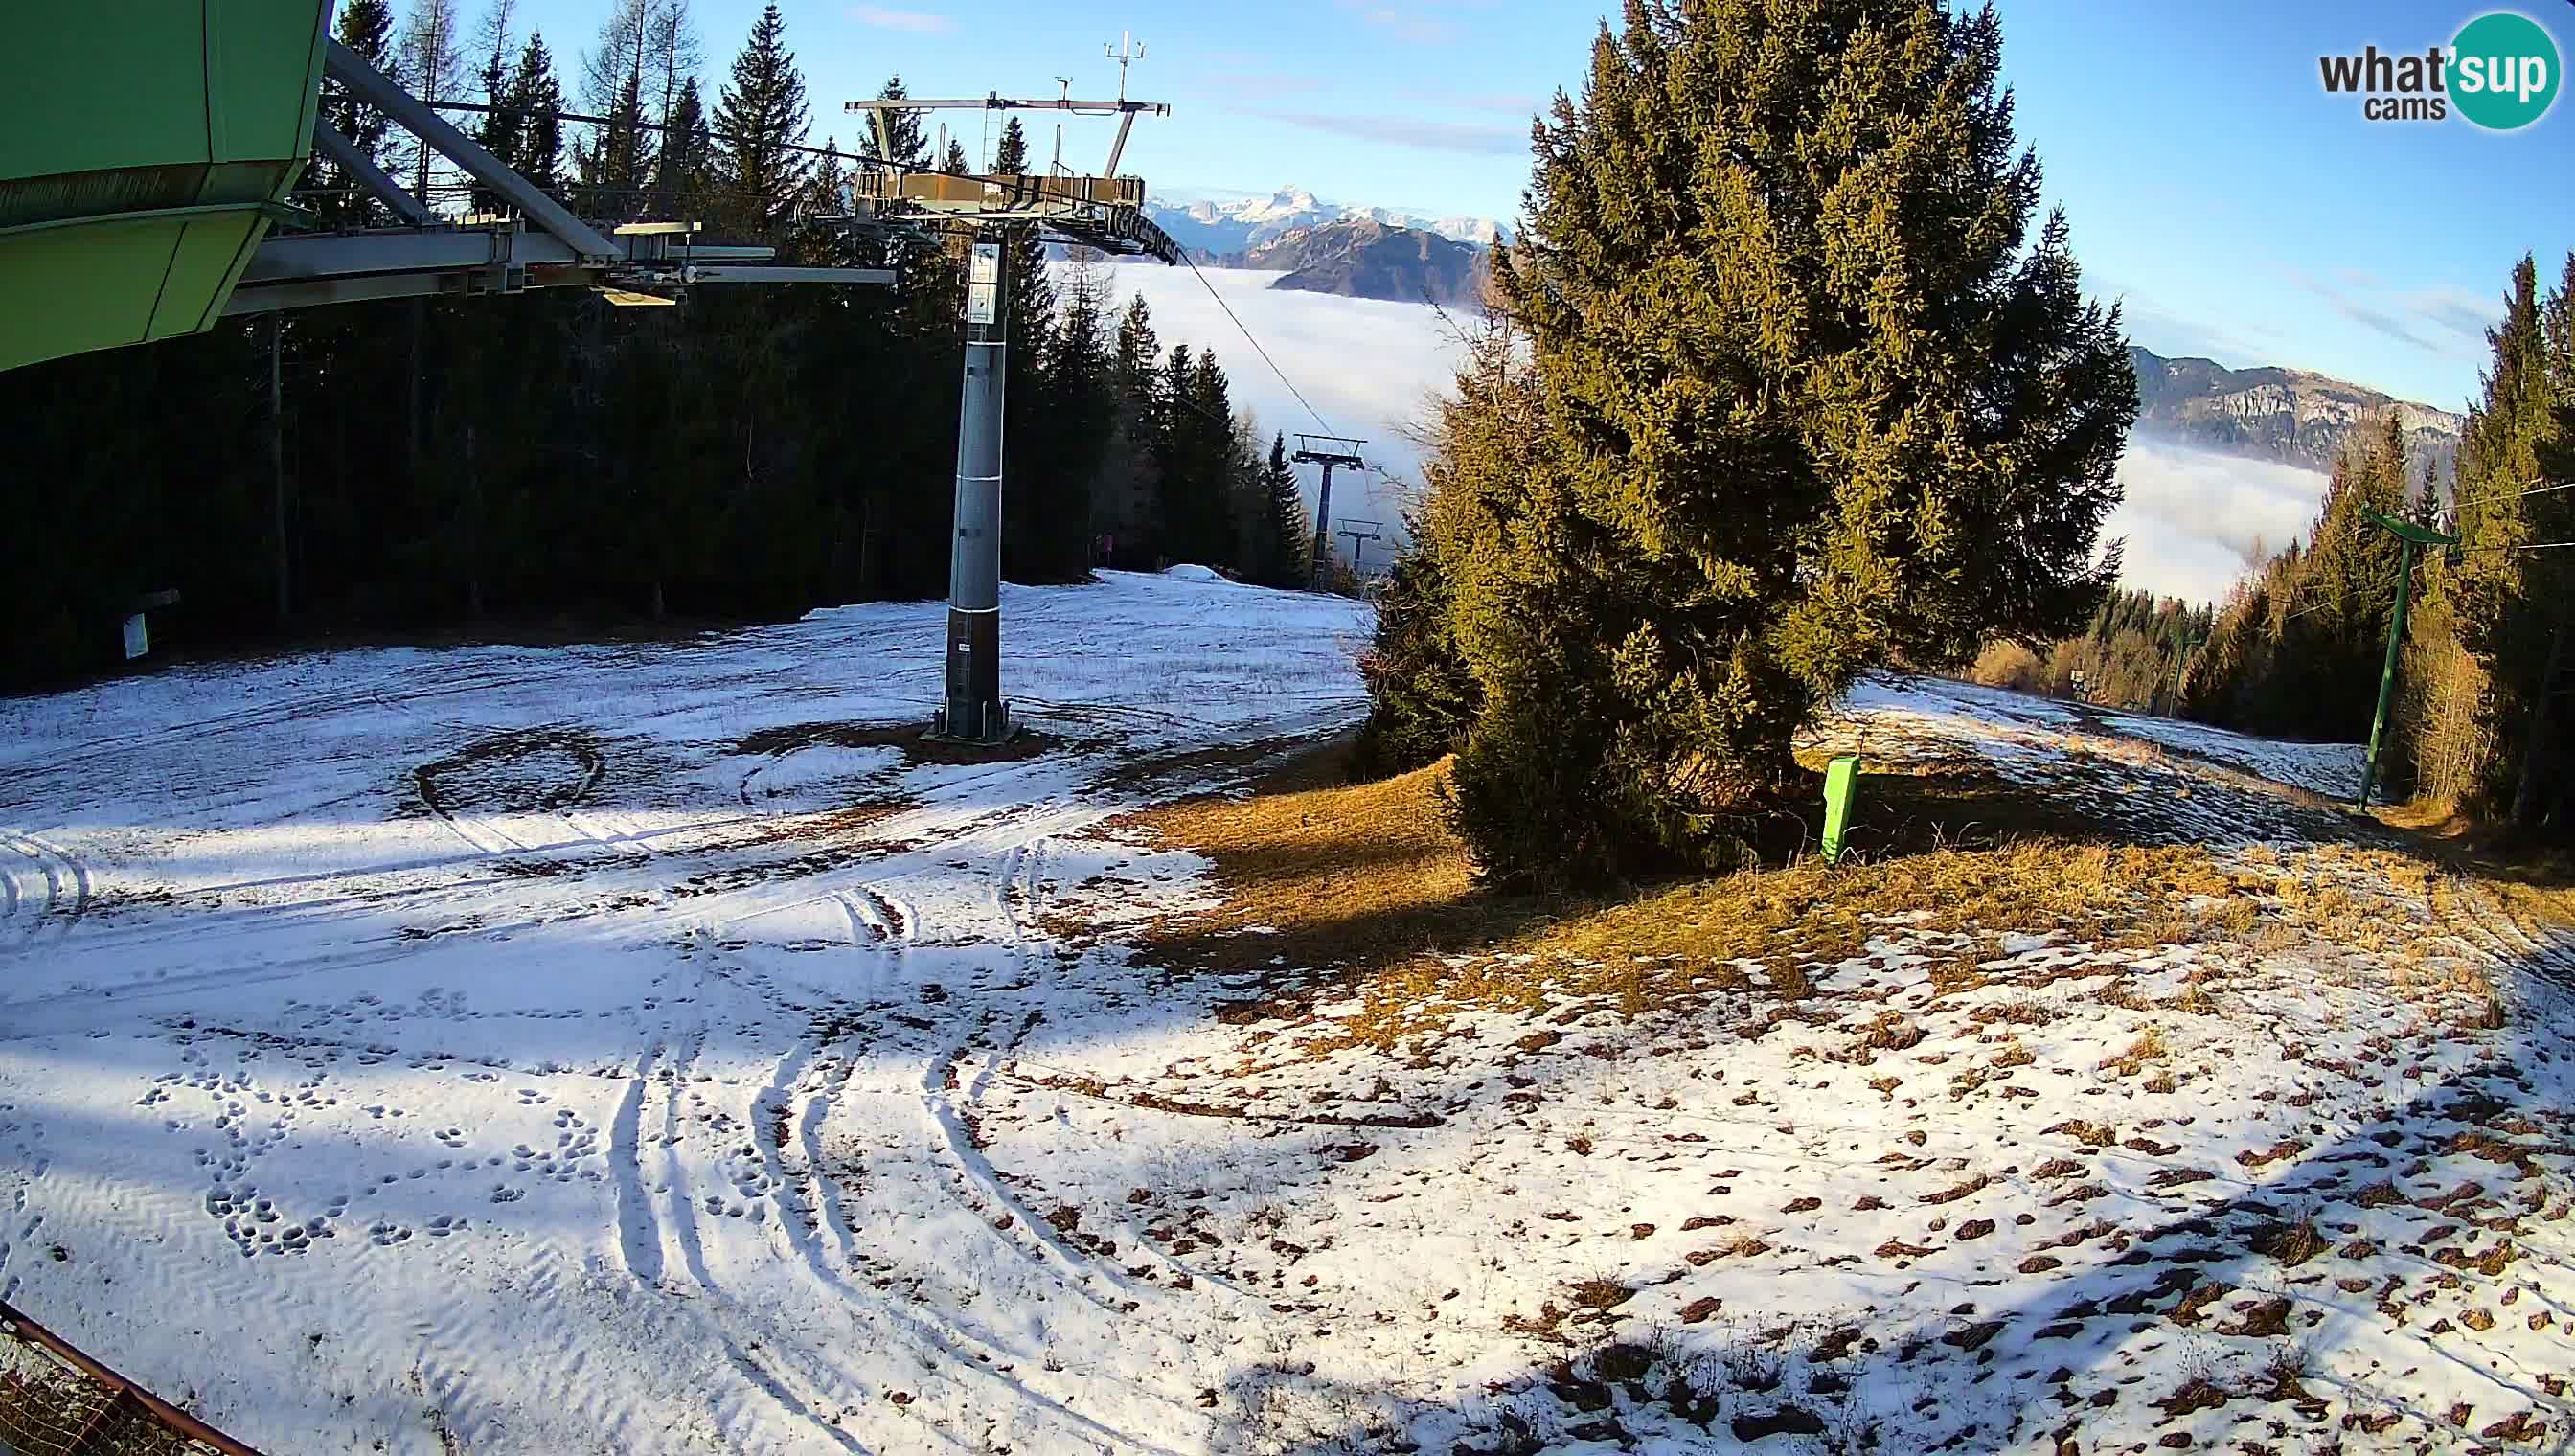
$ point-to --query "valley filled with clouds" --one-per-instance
(2193, 517)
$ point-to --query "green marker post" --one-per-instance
(2414, 537)
(1841, 785)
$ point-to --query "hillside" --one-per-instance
(2291, 416)
(1371, 260)
(662, 1048)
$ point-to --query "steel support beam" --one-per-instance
(371, 86)
(729, 273)
(399, 250)
(345, 155)
(975, 710)
(272, 298)
(1118, 148)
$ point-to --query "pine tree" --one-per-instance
(1046, 515)
(1813, 396)
(2500, 601)
(1080, 408)
(1011, 156)
(1284, 520)
(906, 147)
(1127, 505)
(759, 117)
(954, 163)
(684, 173)
(365, 27)
(2346, 588)
(536, 99)
(1217, 464)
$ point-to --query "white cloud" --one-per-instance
(2193, 517)
(2190, 516)
(1368, 366)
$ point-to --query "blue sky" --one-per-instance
(2240, 212)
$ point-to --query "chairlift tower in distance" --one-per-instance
(1361, 533)
(1105, 212)
(1328, 451)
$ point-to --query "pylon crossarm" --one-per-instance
(998, 102)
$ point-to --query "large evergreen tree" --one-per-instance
(1126, 507)
(536, 100)
(365, 27)
(761, 120)
(906, 144)
(1282, 518)
(684, 174)
(1813, 396)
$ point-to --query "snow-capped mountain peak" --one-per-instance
(1238, 226)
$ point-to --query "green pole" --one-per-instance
(2387, 675)
(1841, 787)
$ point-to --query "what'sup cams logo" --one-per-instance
(2500, 72)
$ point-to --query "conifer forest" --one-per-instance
(554, 461)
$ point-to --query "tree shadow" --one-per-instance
(2259, 1288)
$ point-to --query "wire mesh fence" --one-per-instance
(57, 1401)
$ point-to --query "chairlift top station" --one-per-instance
(159, 206)
(156, 204)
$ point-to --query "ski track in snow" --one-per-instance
(505, 1051)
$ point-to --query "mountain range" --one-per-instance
(2292, 415)
(1219, 228)
(1357, 258)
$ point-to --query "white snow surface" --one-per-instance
(619, 1049)
(2331, 769)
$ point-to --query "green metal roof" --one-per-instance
(144, 146)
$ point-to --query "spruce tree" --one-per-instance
(1127, 507)
(2329, 654)
(759, 117)
(536, 98)
(1284, 520)
(1046, 515)
(684, 173)
(1177, 431)
(1217, 464)
(1813, 396)
(1010, 155)
(615, 165)
(365, 27)
(906, 144)
(1078, 393)
(2504, 598)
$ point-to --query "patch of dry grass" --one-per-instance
(1364, 882)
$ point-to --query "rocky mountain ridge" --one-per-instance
(2291, 416)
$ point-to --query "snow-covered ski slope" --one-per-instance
(627, 1049)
